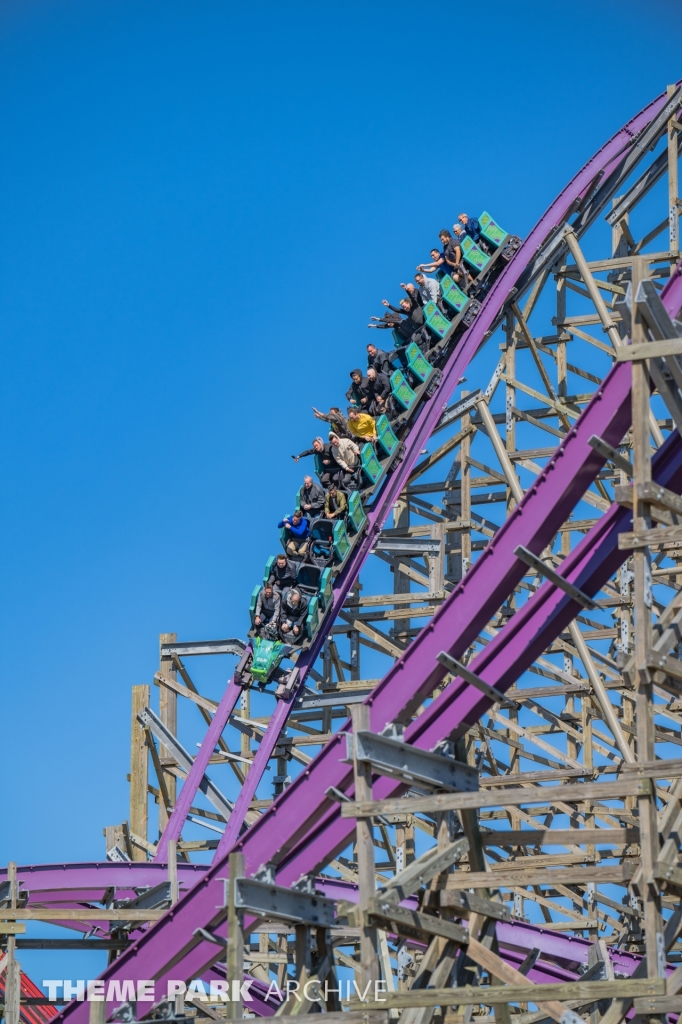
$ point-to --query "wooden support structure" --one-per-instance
(577, 747)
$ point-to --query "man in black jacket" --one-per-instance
(282, 574)
(360, 392)
(267, 612)
(378, 360)
(403, 328)
(379, 384)
(311, 498)
(329, 467)
(293, 611)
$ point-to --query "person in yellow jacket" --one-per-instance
(362, 425)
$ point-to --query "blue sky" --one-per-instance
(200, 205)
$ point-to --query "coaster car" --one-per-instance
(315, 581)
(328, 543)
(260, 662)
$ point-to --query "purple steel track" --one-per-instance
(311, 829)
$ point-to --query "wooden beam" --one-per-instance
(139, 771)
(517, 797)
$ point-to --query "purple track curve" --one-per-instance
(305, 840)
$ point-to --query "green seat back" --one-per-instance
(387, 439)
(356, 513)
(435, 320)
(473, 255)
(312, 618)
(402, 392)
(326, 581)
(452, 295)
(268, 567)
(370, 463)
(254, 599)
(417, 362)
(340, 541)
(491, 231)
(298, 499)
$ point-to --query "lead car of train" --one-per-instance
(332, 542)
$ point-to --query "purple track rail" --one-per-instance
(306, 839)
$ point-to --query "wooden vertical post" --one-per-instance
(619, 233)
(168, 713)
(673, 185)
(13, 967)
(245, 712)
(437, 562)
(97, 1011)
(139, 772)
(235, 938)
(641, 520)
(369, 961)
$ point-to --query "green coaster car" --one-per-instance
(267, 655)
(261, 662)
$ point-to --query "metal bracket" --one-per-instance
(571, 1017)
(267, 900)
(208, 937)
(394, 731)
(458, 409)
(152, 899)
(117, 855)
(536, 563)
(612, 454)
(332, 793)
(266, 873)
(306, 883)
(400, 760)
(457, 668)
(653, 312)
(408, 545)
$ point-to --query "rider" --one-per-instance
(292, 615)
(311, 498)
(267, 612)
(324, 451)
(297, 529)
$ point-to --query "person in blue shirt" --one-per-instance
(470, 226)
(298, 528)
